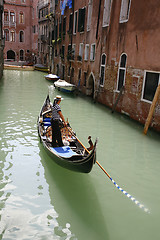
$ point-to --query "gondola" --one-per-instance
(73, 155)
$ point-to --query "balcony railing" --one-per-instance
(9, 24)
(6, 23)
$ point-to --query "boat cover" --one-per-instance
(64, 152)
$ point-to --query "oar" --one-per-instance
(116, 185)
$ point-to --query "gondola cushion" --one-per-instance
(64, 152)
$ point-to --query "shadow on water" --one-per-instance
(74, 197)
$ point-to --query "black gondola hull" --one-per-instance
(78, 162)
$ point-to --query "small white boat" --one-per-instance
(64, 86)
(51, 77)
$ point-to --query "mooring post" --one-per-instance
(151, 111)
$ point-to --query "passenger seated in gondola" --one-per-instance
(55, 122)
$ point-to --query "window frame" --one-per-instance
(144, 82)
(104, 66)
(86, 53)
(81, 47)
(108, 13)
(81, 24)
(12, 36)
(21, 17)
(93, 54)
(123, 19)
(6, 34)
(75, 22)
(21, 31)
(121, 68)
(89, 15)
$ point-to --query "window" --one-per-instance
(60, 27)
(12, 17)
(81, 51)
(75, 22)
(89, 15)
(6, 16)
(150, 84)
(63, 72)
(21, 55)
(81, 19)
(6, 34)
(64, 26)
(69, 51)
(73, 50)
(56, 29)
(21, 17)
(102, 70)
(85, 79)
(70, 23)
(86, 54)
(79, 77)
(63, 51)
(21, 36)
(57, 73)
(107, 12)
(125, 8)
(92, 54)
(23, 1)
(121, 72)
(12, 36)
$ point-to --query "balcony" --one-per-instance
(9, 24)
(12, 24)
(6, 23)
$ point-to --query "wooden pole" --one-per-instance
(151, 111)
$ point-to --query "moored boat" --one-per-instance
(51, 77)
(64, 86)
(40, 67)
(73, 155)
(20, 68)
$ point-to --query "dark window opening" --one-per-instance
(81, 19)
(151, 84)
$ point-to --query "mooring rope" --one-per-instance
(124, 192)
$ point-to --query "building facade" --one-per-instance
(2, 42)
(20, 26)
(109, 49)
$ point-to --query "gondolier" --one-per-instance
(55, 122)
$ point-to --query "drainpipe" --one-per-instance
(98, 18)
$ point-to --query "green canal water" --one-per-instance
(40, 200)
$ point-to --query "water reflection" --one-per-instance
(74, 197)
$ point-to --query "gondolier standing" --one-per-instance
(55, 121)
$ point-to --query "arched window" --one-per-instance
(122, 71)
(6, 16)
(12, 17)
(102, 70)
(21, 36)
(21, 55)
(12, 36)
(6, 34)
(21, 17)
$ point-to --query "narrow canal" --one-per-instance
(40, 200)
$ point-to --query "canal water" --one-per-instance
(40, 200)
